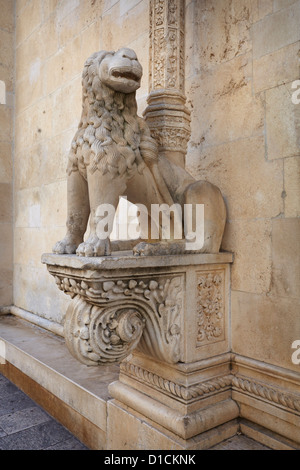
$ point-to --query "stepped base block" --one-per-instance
(128, 429)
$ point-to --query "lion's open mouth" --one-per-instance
(127, 75)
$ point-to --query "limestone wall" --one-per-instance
(6, 148)
(242, 61)
(53, 40)
(242, 57)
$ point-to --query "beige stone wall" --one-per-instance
(53, 40)
(242, 60)
(6, 149)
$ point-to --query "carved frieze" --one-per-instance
(270, 394)
(166, 44)
(178, 391)
(210, 307)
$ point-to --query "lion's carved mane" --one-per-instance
(109, 132)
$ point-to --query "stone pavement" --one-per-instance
(24, 425)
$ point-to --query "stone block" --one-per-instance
(251, 185)
(276, 31)
(7, 15)
(286, 258)
(67, 106)
(6, 244)
(30, 284)
(49, 7)
(30, 242)
(260, 9)
(113, 36)
(54, 204)
(34, 125)
(36, 48)
(281, 4)
(222, 30)
(72, 17)
(28, 20)
(31, 86)
(27, 208)
(226, 100)
(63, 66)
(264, 328)
(6, 207)
(7, 75)
(250, 241)
(6, 50)
(90, 41)
(276, 68)
(5, 162)
(127, 430)
(282, 117)
(6, 286)
(292, 187)
(55, 157)
(5, 123)
(28, 165)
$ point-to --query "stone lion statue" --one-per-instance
(113, 154)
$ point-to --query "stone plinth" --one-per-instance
(165, 318)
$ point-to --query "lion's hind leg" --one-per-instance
(203, 192)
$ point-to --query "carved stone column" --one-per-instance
(166, 114)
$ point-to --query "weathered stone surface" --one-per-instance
(282, 117)
(286, 258)
(231, 110)
(292, 185)
(6, 162)
(276, 31)
(241, 237)
(264, 327)
(224, 165)
(276, 68)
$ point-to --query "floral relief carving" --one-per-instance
(166, 43)
(106, 318)
(210, 306)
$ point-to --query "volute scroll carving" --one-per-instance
(99, 335)
(107, 319)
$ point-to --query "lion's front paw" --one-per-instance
(94, 247)
(65, 246)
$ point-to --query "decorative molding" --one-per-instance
(178, 391)
(210, 306)
(268, 393)
(208, 387)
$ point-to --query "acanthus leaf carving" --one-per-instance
(150, 305)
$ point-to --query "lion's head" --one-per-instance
(108, 136)
(121, 71)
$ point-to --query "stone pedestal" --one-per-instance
(166, 318)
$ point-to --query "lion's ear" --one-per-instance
(97, 57)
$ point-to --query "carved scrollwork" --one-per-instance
(107, 319)
(101, 335)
